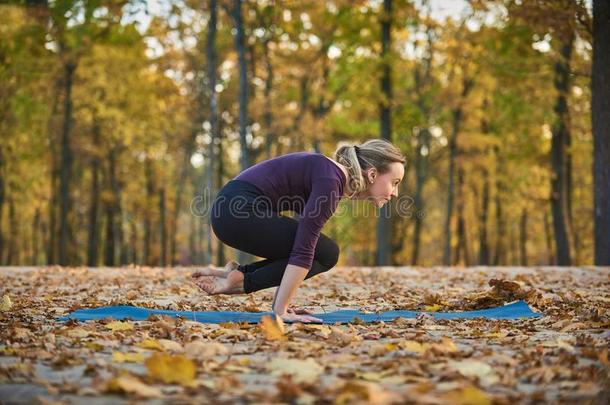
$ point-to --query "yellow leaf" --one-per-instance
(78, 333)
(131, 385)
(198, 349)
(170, 345)
(6, 303)
(475, 368)
(433, 308)
(171, 369)
(300, 370)
(119, 357)
(273, 327)
(468, 396)
(413, 346)
(119, 325)
(150, 344)
(446, 345)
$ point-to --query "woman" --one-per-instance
(246, 216)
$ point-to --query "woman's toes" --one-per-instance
(235, 281)
(207, 284)
(232, 265)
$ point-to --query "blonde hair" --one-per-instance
(374, 153)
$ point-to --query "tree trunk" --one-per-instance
(114, 228)
(36, 237)
(12, 257)
(93, 231)
(268, 109)
(134, 241)
(559, 141)
(66, 166)
(600, 115)
(211, 73)
(548, 239)
(499, 251)
(2, 191)
(109, 245)
(461, 222)
(384, 222)
(220, 251)
(243, 84)
(162, 227)
(523, 238)
(453, 152)
(483, 215)
(150, 190)
(243, 97)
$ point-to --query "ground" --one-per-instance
(559, 358)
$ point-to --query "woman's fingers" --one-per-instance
(299, 311)
(292, 317)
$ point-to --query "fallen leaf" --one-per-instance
(78, 333)
(171, 368)
(364, 392)
(273, 327)
(198, 349)
(300, 370)
(151, 344)
(119, 357)
(170, 345)
(6, 303)
(468, 396)
(475, 368)
(131, 385)
(119, 325)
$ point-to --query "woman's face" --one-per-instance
(383, 186)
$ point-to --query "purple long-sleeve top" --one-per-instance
(304, 182)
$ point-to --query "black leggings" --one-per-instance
(238, 221)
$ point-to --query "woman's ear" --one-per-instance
(371, 174)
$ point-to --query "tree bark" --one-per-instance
(483, 215)
(93, 231)
(499, 251)
(220, 251)
(453, 152)
(2, 194)
(461, 222)
(162, 227)
(213, 99)
(422, 149)
(12, 257)
(150, 190)
(65, 165)
(36, 233)
(268, 112)
(523, 238)
(384, 222)
(114, 227)
(559, 141)
(243, 84)
(548, 239)
(600, 116)
(243, 97)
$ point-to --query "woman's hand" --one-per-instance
(299, 315)
(299, 311)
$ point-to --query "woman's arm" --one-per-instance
(292, 279)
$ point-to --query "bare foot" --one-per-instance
(233, 283)
(211, 271)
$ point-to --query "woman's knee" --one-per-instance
(329, 255)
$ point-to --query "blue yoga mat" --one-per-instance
(516, 310)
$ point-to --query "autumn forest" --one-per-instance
(120, 119)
